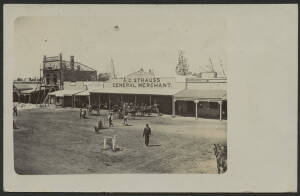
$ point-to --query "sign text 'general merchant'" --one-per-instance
(143, 83)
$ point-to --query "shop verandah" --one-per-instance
(201, 103)
(116, 98)
(188, 102)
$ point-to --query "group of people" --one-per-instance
(83, 113)
(110, 119)
(122, 110)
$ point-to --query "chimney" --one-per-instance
(72, 62)
(44, 61)
(60, 59)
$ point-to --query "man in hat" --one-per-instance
(15, 110)
(146, 134)
(110, 117)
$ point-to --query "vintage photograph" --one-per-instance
(130, 93)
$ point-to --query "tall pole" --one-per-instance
(212, 66)
(113, 67)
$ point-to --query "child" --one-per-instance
(126, 119)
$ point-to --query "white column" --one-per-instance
(89, 99)
(220, 102)
(196, 108)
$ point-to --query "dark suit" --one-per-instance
(146, 134)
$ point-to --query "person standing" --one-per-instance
(15, 111)
(80, 114)
(126, 119)
(146, 134)
(110, 118)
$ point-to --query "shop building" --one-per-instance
(203, 96)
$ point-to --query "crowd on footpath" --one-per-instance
(126, 106)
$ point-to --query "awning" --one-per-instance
(137, 91)
(32, 91)
(202, 95)
(83, 93)
(26, 86)
(62, 93)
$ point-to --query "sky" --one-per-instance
(134, 38)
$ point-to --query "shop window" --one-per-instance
(200, 105)
(213, 105)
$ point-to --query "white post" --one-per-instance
(114, 142)
(220, 102)
(173, 106)
(104, 143)
(196, 108)
(89, 99)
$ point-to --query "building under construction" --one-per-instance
(54, 73)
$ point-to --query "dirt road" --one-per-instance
(57, 141)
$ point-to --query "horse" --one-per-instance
(221, 156)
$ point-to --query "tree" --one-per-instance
(103, 76)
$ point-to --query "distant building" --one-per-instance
(56, 71)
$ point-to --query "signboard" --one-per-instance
(141, 82)
(52, 58)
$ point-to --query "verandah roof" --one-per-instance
(62, 93)
(204, 95)
(137, 91)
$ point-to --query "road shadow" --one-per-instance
(153, 145)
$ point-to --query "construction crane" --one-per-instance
(221, 65)
(212, 66)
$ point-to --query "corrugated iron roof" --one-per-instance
(62, 93)
(192, 94)
(32, 90)
(83, 93)
(26, 86)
